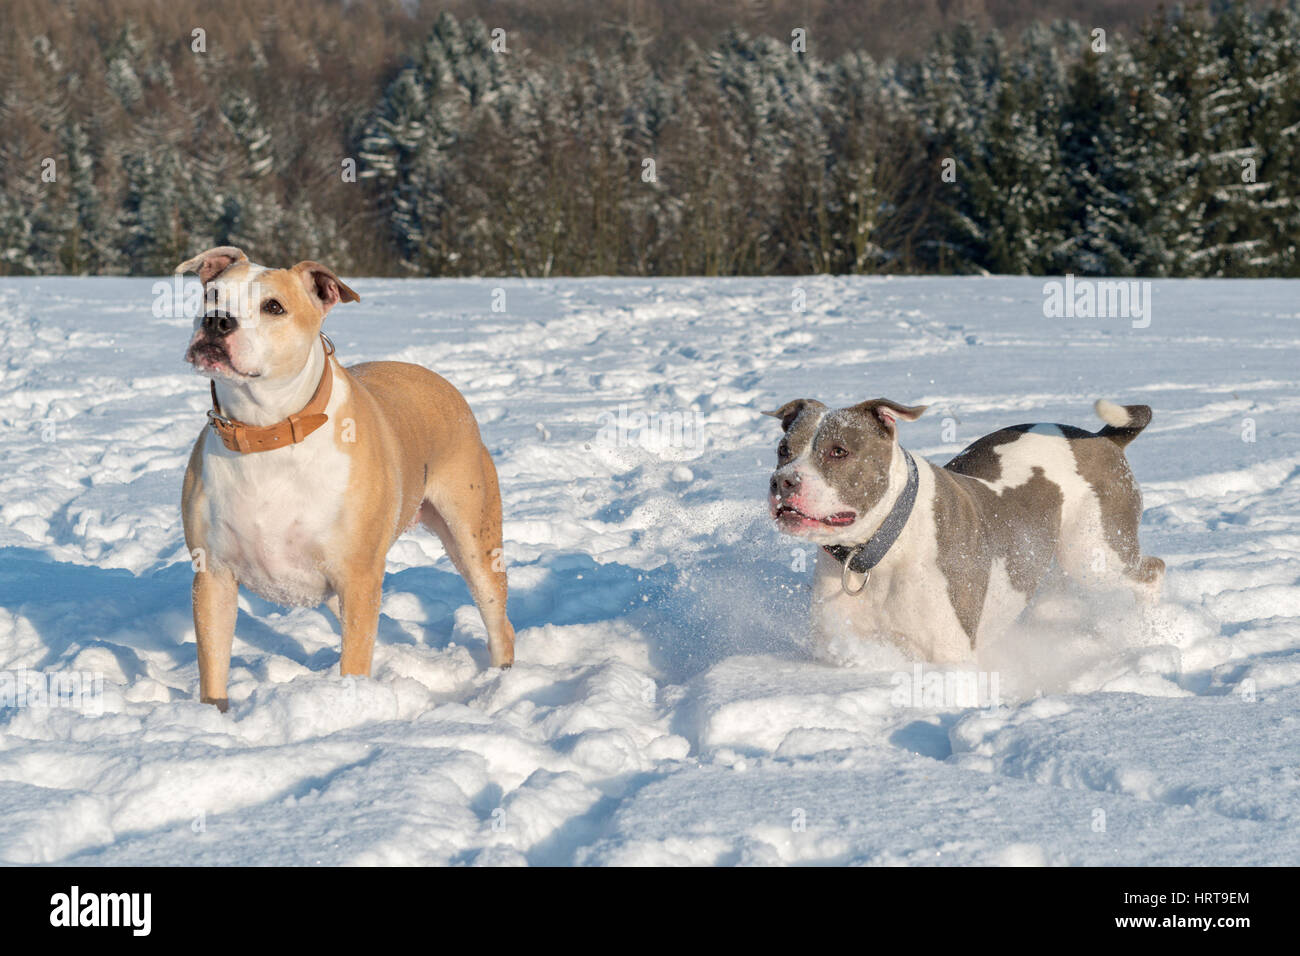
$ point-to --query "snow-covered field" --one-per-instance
(664, 707)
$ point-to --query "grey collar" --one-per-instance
(861, 558)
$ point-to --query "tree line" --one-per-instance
(1168, 150)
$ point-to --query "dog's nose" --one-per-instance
(219, 323)
(786, 484)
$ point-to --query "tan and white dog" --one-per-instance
(936, 560)
(308, 471)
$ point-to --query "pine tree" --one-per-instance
(1276, 142)
(85, 250)
(404, 146)
(152, 226)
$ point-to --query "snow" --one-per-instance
(664, 708)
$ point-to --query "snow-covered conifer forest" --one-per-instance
(390, 139)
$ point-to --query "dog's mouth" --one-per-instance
(208, 356)
(786, 513)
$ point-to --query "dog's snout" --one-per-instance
(219, 323)
(786, 484)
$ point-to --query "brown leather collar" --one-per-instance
(247, 439)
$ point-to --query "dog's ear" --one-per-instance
(885, 413)
(322, 283)
(212, 263)
(792, 410)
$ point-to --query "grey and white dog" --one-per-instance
(936, 560)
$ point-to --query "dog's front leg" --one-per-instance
(359, 600)
(216, 604)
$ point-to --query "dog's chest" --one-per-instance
(273, 515)
(905, 603)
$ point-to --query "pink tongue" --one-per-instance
(844, 517)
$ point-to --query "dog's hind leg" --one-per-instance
(1143, 574)
(1147, 577)
(1099, 541)
(1120, 521)
(462, 506)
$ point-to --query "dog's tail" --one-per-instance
(1123, 422)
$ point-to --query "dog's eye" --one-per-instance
(272, 307)
(783, 450)
(837, 451)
